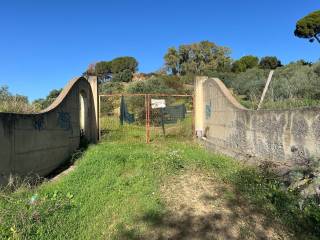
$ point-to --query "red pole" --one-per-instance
(148, 122)
(146, 109)
(193, 117)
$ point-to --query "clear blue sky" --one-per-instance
(43, 43)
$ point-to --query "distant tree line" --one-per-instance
(43, 103)
(246, 76)
(14, 103)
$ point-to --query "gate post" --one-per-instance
(148, 118)
(199, 105)
(93, 81)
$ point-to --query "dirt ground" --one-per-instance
(201, 207)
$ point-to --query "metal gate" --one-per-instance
(146, 117)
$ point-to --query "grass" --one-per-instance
(281, 105)
(117, 182)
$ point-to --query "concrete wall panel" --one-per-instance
(39, 143)
(287, 137)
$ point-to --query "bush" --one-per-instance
(264, 188)
(269, 63)
(123, 76)
(296, 84)
(14, 103)
(250, 83)
(295, 81)
(152, 85)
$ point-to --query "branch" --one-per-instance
(316, 37)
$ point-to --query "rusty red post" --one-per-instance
(193, 117)
(148, 118)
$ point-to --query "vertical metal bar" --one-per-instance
(99, 120)
(148, 126)
(146, 110)
(193, 117)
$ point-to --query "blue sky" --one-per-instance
(45, 43)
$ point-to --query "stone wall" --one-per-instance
(39, 143)
(287, 137)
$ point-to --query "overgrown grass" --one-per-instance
(117, 182)
(281, 105)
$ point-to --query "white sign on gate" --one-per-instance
(158, 103)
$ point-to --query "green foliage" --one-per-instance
(124, 63)
(196, 58)
(173, 82)
(245, 63)
(309, 27)
(120, 69)
(316, 68)
(41, 103)
(103, 69)
(33, 213)
(238, 66)
(14, 103)
(124, 76)
(118, 192)
(250, 61)
(250, 83)
(295, 81)
(264, 188)
(269, 62)
(111, 87)
(294, 85)
(152, 85)
(172, 60)
(280, 105)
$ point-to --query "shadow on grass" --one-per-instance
(231, 219)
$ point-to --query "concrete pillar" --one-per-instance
(93, 81)
(199, 105)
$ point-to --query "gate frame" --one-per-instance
(147, 101)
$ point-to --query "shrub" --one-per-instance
(14, 103)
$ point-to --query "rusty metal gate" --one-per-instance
(146, 117)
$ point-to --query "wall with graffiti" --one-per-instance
(39, 143)
(286, 137)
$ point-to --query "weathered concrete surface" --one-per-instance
(286, 137)
(39, 143)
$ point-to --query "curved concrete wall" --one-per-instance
(287, 137)
(39, 143)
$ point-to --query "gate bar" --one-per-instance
(143, 94)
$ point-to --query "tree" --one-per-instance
(124, 63)
(250, 61)
(4, 93)
(119, 69)
(197, 58)
(238, 66)
(270, 62)
(14, 103)
(309, 27)
(172, 60)
(44, 103)
(123, 76)
(103, 70)
(244, 63)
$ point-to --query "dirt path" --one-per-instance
(200, 207)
